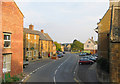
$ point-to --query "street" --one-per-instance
(61, 70)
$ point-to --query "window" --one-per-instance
(7, 63)
(7, 40)
(28, 36)
(35, 53)
(87, 45)
(35, 45)
(34, 36)
(28, 45)
(89, 42)
(29, 53)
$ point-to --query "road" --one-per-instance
(61, 70)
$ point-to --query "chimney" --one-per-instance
(42, 31)
(31, 26)
(92, 38)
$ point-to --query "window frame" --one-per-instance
(28, 36)
(7, 40)
(6, 62)
(35, 37)
(35, 53)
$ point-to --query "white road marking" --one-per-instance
(35, 71)
(58, 68)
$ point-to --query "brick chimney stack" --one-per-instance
(31, 26)
(42, 31)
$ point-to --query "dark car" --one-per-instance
(63, 52)
(82, 54)
(92, 58)
(85, 61)
(25, 63)
(60, 55)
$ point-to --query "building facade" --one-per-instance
(90, 45)
(31, 43)
(37, 44)
(109, 41)
(54, 49)
(12, 38)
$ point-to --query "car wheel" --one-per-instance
(80, 63)
(91, 63)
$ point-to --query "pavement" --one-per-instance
(87, 74)
(64, 70)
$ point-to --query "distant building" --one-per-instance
(62, 48)
(37, 44)
(54, 49)
(90, 45)
(12, 38)
(67, 46)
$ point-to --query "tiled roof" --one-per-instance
(93, 41)
(29, 31)
(48, 37)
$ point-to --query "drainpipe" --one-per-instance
(109, 40)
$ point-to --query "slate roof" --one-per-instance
(43, 36)
(48, 37)
(93, 42)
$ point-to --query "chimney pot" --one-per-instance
(31, 26)
(92, 38)
(42, 31)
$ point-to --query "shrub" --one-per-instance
(15, 78)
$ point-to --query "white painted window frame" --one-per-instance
(4, 58)
(7, 40)
(28, 36)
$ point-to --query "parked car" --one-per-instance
(85, 61)
(25, 63)
(92, 58)
(60, 55)
(64, 52)
(82, 54)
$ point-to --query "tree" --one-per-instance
(58, 46)
(76, 45)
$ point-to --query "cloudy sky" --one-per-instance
(64, 20)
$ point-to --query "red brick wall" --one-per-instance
(12, 21)
(0, 40)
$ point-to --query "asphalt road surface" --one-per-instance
(61, 70)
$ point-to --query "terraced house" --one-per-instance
(12, 38)
(31, 43)
(37, 44)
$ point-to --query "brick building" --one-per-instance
(12, 38)
(109, 41)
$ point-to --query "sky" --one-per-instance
(64, 20)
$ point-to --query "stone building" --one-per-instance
(109, 41)
(12, 38)
(31, 43)
(54, 49)
(37, 44)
